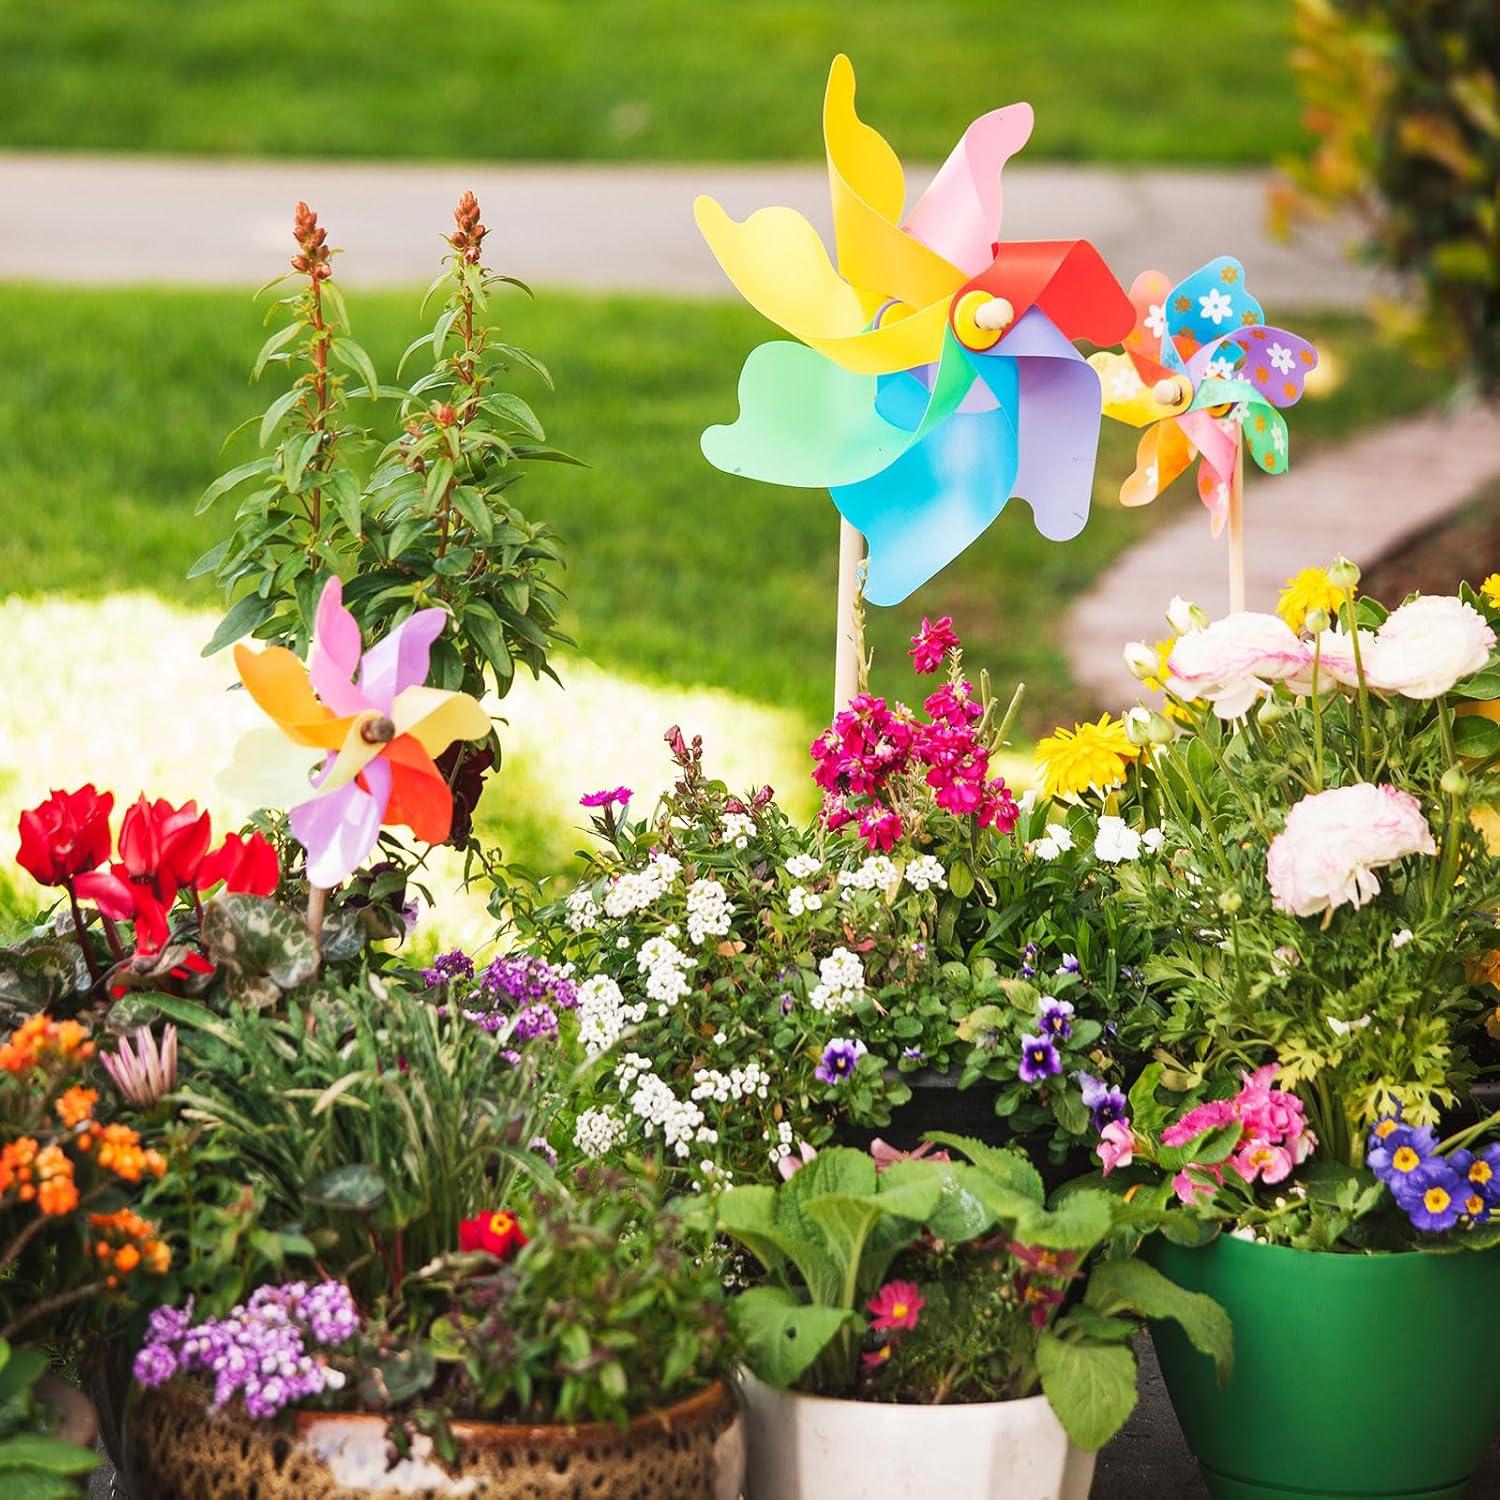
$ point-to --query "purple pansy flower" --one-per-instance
(1055, 1019)
(1039, 1059)
(1069, 964)
(1105, 1104)
(840, 1058)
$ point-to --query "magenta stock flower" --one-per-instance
(932, 643)
(618, 795)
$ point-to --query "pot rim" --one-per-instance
(701, 1409)
(746, 1376)
(1237, 1244)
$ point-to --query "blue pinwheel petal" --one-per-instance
(1205, 306)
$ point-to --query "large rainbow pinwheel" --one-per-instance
(935, 377)
(1202, 373)
(377, 725)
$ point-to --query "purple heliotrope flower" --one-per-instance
(1055, 1019)
(840, 1058)
(1039, 1059)
(447, 967)
(1105, 1104)
(607, 798)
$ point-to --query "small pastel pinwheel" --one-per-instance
(935, 375)
(1202, 374)
(377, 725)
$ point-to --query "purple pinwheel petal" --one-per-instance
(339, 830)
(334, 656)
(1276, 362)
(400, 661)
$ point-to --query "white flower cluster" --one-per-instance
(803, 866)
(1057, 840)
(738, 1083)
(665, 966)
(597, 1130)
(843, 977)
(1116, 842)
(802, 900)
(925, 872)
(635, 890)
(583, 910)
(656, 1106)
(737, 829)
(603, 1014)
(874, 874)
(781, 1147)
(708, 910)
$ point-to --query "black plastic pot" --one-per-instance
(936, 1103)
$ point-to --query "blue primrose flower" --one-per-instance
(1104, 1103)
(1395, 1151)
(1055, 1019)
(1480, 1175)
(1433, 1197)
(1039, 1059)
(840, 1058)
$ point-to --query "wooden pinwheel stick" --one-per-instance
(1236, 520)
(849, 645)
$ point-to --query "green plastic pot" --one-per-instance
(1354, 1375)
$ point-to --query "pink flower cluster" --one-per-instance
(1274, 1136)
(870, 745)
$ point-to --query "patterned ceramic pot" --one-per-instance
(691, 1451)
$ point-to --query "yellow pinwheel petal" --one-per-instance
(277, 679)
(268, 770)
(1127, 398)
(435, 718)
(868, 190)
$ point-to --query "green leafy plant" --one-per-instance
(36, 1463)
(986, 1312)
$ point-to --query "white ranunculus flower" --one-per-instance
(1336, 666)
(1116, 841)
(1427, 646)
(1235, 660)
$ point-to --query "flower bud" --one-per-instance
(1141, 661)
(1161, 730)
(1316, 621)
(1271, 713)
(1455, 782)
(1185, 617)
(1342, 573)
(1230, 902)
(1138, 726)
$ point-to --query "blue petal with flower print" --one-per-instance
(1205, 306)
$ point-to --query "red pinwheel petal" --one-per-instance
(420, 798)
(1068, 280)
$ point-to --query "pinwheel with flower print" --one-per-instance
(377, 725)
(1203, 374)
(935, 375)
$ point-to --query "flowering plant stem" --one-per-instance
(1367, 754)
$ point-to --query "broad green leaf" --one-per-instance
(513, 409)
(782, 1335)
(210, 560)
(1091, 1387)
(50, 1455)
(226, 482)
(1001, 1163)
(776, 1241)
(1205, 1150)
(261, 948)
(1078, 1223)
(1136, 1286)
(353, 357)
(244, 617)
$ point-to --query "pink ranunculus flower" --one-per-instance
(1116, 1147)
(1235, 661)
(1334, 841)
(1257, 1159)
(1190, 1189)
(1428, 645)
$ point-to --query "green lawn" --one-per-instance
(1147, 80)
(113, 406)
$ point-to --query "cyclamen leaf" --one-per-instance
(1090, 1386)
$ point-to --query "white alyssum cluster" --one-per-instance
(874, 874)
(665, 966)
(652, 1102)
(800, 900)
(635, 890)
(709, 910)
(751, 1081)
(803, 866)
(737, 829)
(926, 873)
(842, 978)
(603, 1014)
(583, 910)
(781, 1143)
(597, 1131)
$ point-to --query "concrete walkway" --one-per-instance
(107, 220)
(1364, 498)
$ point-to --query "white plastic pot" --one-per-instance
(816, 1448)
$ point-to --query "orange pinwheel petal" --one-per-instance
(420, 798)
(277, 679)
(1162, 454)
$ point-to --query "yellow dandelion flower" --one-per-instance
(1086, 756)
(1311, 589)
(1490, 588)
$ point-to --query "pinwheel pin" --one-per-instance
(376, 725)
(935, 375)
(1205, 376)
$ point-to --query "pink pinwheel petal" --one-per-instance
(959, 214)
(339, 830)
(334, 656)
(400, 661)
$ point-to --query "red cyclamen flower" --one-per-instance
(245, 865)
(66, 836)
(896, 1305)
(932, 643)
